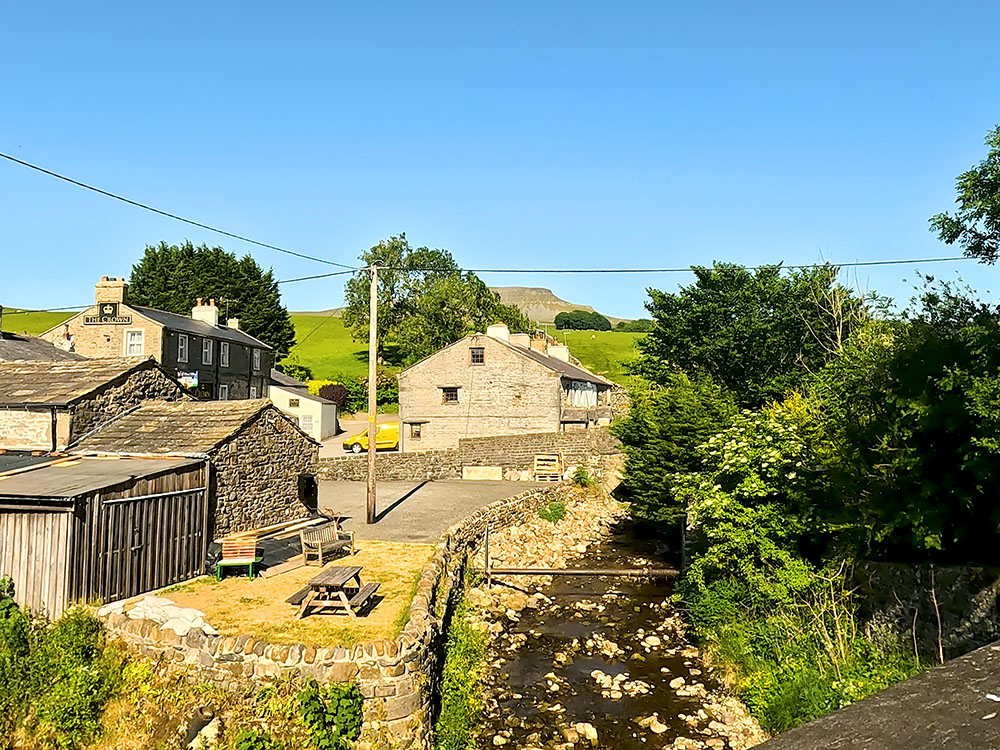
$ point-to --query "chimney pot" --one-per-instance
(211, 302)
(198, 302)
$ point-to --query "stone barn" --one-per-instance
(48, 405)
(263, 467)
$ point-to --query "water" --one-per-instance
(591, 631)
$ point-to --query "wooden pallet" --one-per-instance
(548, 467)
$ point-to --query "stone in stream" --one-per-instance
(587, 731)
(676, 683)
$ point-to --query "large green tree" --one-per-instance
(757, 334)
(424, 300)
(172, 277)
(975, 226)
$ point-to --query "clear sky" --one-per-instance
(527, 134)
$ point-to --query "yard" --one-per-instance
(240, 606)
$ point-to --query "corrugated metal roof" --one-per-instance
(79, 475)
(15, 347)
(199, 327)
(61, 383)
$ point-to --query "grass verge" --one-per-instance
(461, 692)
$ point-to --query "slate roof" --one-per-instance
(563, 368)
(61, 383)
(78, 475)
(174, 427)
(286, 381)
(17, 347)
(199, 327)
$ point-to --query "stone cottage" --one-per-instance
(46, 406)
(263, 467)
(213, 360)
(497, 384)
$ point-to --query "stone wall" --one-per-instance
(512, 453)
(24, 430)
(142, 385)
(898, 598)
(256, 474)
(398, 678)
(108, 340)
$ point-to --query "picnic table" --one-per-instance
(338, 587)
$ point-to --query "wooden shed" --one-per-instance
(85, 528)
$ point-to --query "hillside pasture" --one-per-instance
(602, 352)
(31, 322)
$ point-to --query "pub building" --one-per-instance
(214, 360)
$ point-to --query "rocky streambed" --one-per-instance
(582, 662)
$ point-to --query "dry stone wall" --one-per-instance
(398, 678)
(420, 465)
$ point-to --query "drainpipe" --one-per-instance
(55, 425)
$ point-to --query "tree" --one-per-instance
(758, 334)
(975, 226)
(423, 310)
(642, 325)
(172, 277)
(582, 320)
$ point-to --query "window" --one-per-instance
(206, 352)
(477, 355)
(182, 348)
(224, 354)
(306, 422)
(253, 391)
(293, 403)
(415, 430)
(133, 343)
(256, 359)
(449, 395)
(224, 392)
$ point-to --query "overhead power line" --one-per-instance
(169, 215)
(318, 276)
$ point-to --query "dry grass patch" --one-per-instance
(238, 605)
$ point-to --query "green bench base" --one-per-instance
(247, 561)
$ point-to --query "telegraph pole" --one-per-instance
(372, 406)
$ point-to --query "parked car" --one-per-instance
(386, 438)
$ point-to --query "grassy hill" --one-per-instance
(603, 352)
(31, 322)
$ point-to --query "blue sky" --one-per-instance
(515, 134)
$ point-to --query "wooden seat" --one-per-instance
(236, 552)
(319, 542)
(364, 596)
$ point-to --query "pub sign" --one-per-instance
(107, 314)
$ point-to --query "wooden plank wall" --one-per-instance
(124, 547)
(34, 551)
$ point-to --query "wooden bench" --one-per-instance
(324, 540)
(238, 551)
(364, 596)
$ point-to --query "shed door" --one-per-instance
(34, 550)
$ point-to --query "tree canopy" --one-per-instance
(582, 320)
(424, 300)
(172, 277)
(975, 226)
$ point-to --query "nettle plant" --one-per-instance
(332, 715)
(757, 497)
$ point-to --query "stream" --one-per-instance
(601, 662)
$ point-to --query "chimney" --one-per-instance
(522, 340)
(111, 289)
(559, 352)
(540, 345)
(206, 313)
(498, 331)
(233, 323)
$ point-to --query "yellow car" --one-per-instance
(386, 438)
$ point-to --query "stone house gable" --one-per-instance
(150, 384)
(259, 473)
(451, 394)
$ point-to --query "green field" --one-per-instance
(602, 352)
(326, 347)
(31, 322)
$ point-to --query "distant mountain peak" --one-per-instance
(540, 304)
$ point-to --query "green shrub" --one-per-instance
(250, 739)
(554, 512)
(581, 478)
(461, 694)
(332, 715)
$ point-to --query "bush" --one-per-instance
(294, 369)
(581, 478)
(336, 392)
(332, 715)
(461, 694)
(250, 739)
(554, 512)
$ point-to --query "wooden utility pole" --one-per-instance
(372, 405)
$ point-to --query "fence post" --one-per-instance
(486, 553)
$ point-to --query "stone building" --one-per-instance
(497, 384)
(263, 467)
(47, 405)
(315, 415)
(215, 361)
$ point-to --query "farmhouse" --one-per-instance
(215, 361)
(263, 467)
(78, 528)
(497, 384)
(47, 405)
(316, 416)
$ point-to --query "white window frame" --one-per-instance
(127, 343)
(206, 351)
(306, 418)
(253, 391)
(256, 359)
(182, 347)
(223, 391)
(223, 354)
